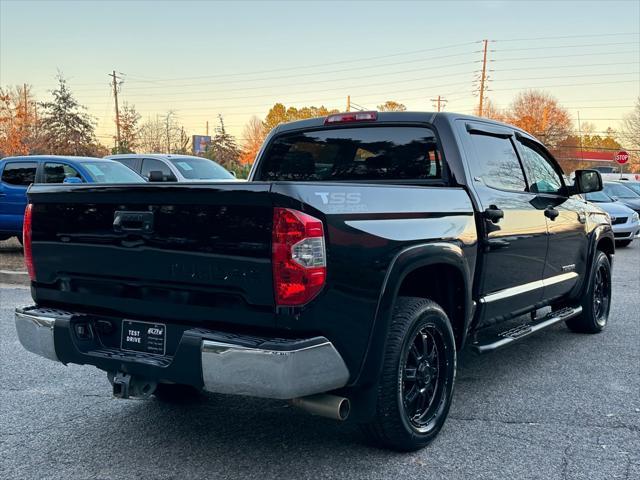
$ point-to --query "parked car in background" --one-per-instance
(618, 177)
(17, 173)
(622, 194)
(635, 186)
(174, 168)
(624, 221)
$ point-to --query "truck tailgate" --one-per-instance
(193, 252)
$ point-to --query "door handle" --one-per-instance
(551, 213)
(493, 214)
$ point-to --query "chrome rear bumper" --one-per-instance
(270, 373)
(35, 333)
(235, 364)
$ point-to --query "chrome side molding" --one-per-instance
(528, 287)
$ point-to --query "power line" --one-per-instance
(561, 46)
(618, 34)
(299, 67)
(570, 55)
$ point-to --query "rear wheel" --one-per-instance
(623, 243)
(416, 382)
(596, 301)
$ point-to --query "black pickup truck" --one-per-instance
(363, 253)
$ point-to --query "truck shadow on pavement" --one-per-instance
(228, 434)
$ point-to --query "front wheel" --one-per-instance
(596, 301)
(416, 382)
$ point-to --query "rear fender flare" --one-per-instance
(405, 262)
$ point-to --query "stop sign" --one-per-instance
(621, 157)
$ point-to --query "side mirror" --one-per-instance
(587, 181)
(156, 176)
(233, 173)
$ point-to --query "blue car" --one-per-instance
(17, 173)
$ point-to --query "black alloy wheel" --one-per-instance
(415, 386)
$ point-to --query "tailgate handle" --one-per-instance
(133, 222)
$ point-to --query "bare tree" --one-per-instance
(162, 135)
(491, 110)
(630, 128)
(151, 136)
(391, 106)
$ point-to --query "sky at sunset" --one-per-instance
(237, 59)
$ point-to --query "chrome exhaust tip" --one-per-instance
(325, 405)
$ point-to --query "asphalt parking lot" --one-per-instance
(557, 405)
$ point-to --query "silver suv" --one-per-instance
(161, 167)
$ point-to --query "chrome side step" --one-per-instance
(512, 335)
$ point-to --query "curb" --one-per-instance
(13, 277)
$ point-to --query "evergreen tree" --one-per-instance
(224, 148)
(66, 128)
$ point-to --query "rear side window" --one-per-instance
(367, 153)
(58, 172)
(129, 162)
(19, 173)
(496, 163)
(151, 164)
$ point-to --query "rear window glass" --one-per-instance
(111, 172)
(368, 153)
(19, 173)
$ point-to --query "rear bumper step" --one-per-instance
(214, 361)
(507, 337)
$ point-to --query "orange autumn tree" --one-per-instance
(252, 137)
(17, 121)
(541, 115)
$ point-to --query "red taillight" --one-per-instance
(26, 242)
(298, 255)
(351, 117)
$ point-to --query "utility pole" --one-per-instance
(483, 77)
(439, 103)
(348, 103)
(207, 128)
(115, 96)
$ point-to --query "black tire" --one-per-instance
(596, 302)
(176, 393)
(420, 357)
(623, 243)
